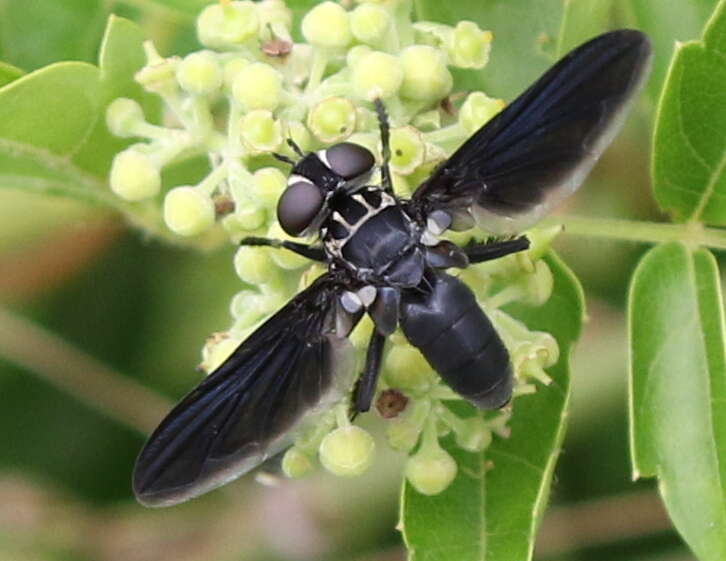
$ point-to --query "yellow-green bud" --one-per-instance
(332, 119)
(272, 12)
(296, 464)
(216, 352)
(431, 471)
(369, 23)
(425, 76)
(188, 211)
(134, 176)
(159, 74)
(200, 73)
(361, 334)
(407, 149)
(247, 307)
(477, 110)
(257, 86)
(260, 131)
(299, 133)
(407, 369)
(232, 68)
(254, 266)
(283, 258)
(122, 117)
(473, 434)
(401, 186)
(404, 431)
(347, 451)
(268, 185)
(355, 54)
(469, 46)
(539, 284)
(226, 25)
(327, 25)
(244, 220)
(376, 74)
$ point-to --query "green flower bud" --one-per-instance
(122, 117)
(222, 26)
(200, 73)
(216, 352)
(428, 121)
(247, 306)
(327, 25)
(369, 23)
(285, 259)
(245, 220)
(232, 68)
(539, 284)
(404, 431)
(269, 183)
(376, 74)
(469, 46)
(477, 110)
(362, 332)
(407, 149)
(257, 86)
(425, 76)
(332, 119)
(188, 211)
(401, 185)
(347, 451)
(296, 464)
(273, 13)
(159, 74)
(431, 471)
(355, 54)
(407, 369)
(134, 176)
(260, 131)
(299, 133)
(254, 266)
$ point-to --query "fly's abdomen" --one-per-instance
(458, 340)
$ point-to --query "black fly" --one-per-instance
(384, 258)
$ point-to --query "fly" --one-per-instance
(384, 258)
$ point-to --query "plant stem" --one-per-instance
(48, 356)
(691, 233)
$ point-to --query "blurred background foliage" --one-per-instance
(87, 286)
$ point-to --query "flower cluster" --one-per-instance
(240, 99)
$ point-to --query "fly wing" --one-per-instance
(246, 410)
(541, 147)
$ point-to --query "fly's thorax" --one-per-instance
(348, 213)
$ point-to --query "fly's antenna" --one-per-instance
(385, 127)
(283, 158)
(292, 144)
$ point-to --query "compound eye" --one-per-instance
(349, 160)
(299, 205)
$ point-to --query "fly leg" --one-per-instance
(311, 252)
(478, 253)
(365, 387)
(385, 127)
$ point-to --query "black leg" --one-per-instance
(386, 182)
(479, 253)
(314, 253)
(365, 388)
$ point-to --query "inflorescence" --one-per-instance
(239, 100)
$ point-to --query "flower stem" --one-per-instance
(691, 233)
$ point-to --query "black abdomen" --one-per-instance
(458, 341)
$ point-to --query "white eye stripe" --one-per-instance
(295, 178)
(323, 155)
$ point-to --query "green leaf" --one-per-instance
(8, 73)
(525, 39)
(678, 390)
(53, 137)
(582, 21)
(689, 159)
(493, 514)
(682, 21)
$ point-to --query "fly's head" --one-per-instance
(315, 178)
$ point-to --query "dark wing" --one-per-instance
(539, 149)
(245, 411)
